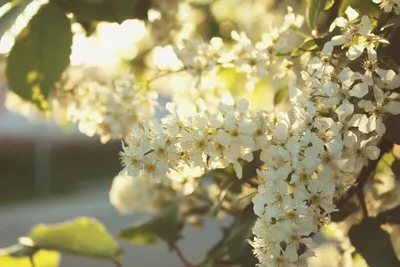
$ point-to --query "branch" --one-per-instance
(180, 255)
(365, 173)
(117, 263)
(32, 261)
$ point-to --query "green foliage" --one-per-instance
(344, 211)
(365, 7)
(81, 236)
(106, 10)
(373, 244)
(165, 226)
(281, 96)
(40, 55)
(23, 256)
(314, 7)
(9, 18)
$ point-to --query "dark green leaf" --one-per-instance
(241, 232)
(390, 216)
(40, 54)
(314, 7)
(393, 129)
(81, 236)
(345, 211)
(106, 10)
(165, 226)
(373, 244)
(281, 96)
(396, 169)
(42, 258)
(9, 18)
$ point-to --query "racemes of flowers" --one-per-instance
(108, 109)
(311, 155)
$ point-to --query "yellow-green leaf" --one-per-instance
(164, 226)
(42, 258)
(40, 55)
(81, 236)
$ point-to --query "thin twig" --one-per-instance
(361, 199)
(365, 173)
(32, 261)
(181, 256)
(117, 263)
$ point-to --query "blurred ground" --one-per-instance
(17, 219)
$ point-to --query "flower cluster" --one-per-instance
(255, 59)
(109, 109)
(315, 153)
(389, 5)
(311, 155)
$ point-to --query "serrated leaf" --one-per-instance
(165, 226)
(314, 7)
(42, 258)
(9, 18)
(390, 216)
(281, 96)
(373, 244)
(40, 55)
(81, 236)
(345, 211)
(106, 10)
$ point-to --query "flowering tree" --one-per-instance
(312, 158)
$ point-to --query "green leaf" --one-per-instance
(236, 242)
(40, 55)
(9, 18)
(165, 226)
(314, 7)
(81, 236)
(42, 258)
(373, 244)
(281, 96)
(396, 169)
(392, 129)
(329, 4)
(106, 10)
(345, 211)
(390, 216)
(364, 7)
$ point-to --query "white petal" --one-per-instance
(393, 107)
(341, 22)
(359, 90)
(338, 40)
(351, 13)
(328, 48)
(365, 26)
(242, 105)
(386, 76)
(355, 51)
